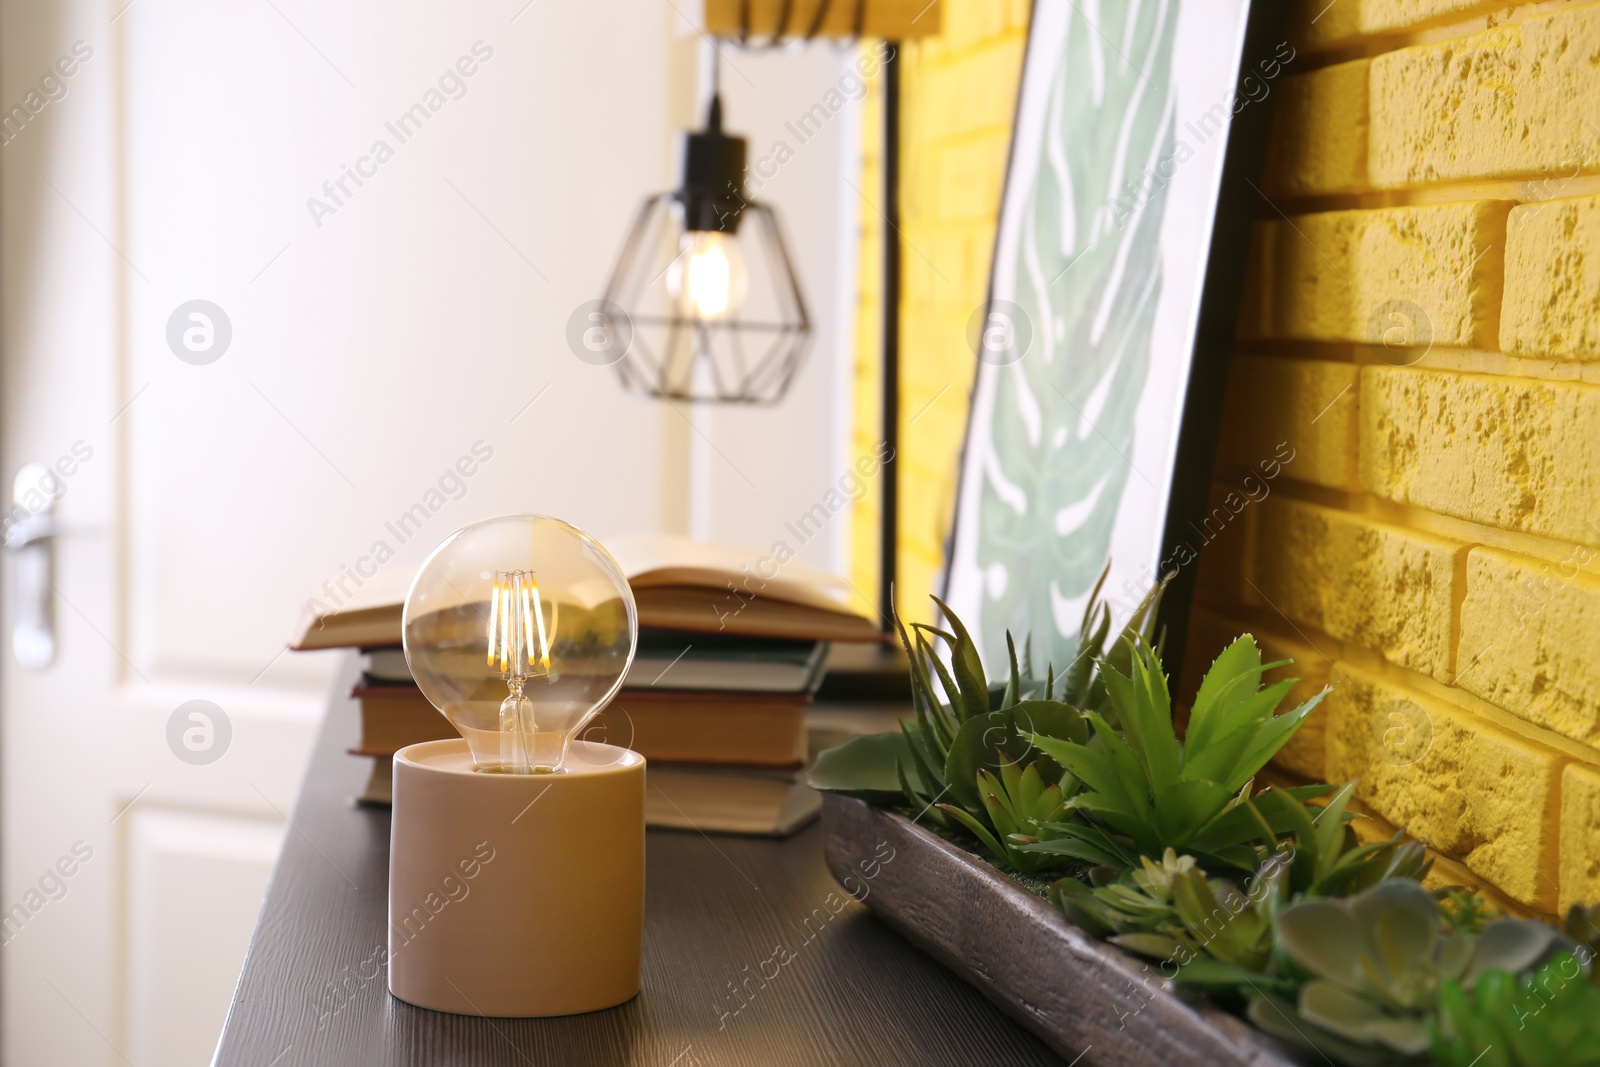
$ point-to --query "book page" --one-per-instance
(651, 560)
(655, 560)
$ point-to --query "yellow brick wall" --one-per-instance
(1423, 326)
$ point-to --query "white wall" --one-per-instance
(368, 354)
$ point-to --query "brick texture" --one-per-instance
(1509, 452)
(1405, 278)
(1506, 103)
(1528, 631)
(1382, 587)
(1402, 277)
(1324, 25)
(1552, 298)
(1222, 536)
(961, 97)
(1580, 844)
(1465, 786)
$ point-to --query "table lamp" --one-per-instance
(516, 864)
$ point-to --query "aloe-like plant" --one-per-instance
(1083, 683)
(1157, 792)
(1550, 1018)
(962, 725)
(936, 756)
(951, 743)
(1019, 807)
(973, 726)
(1375, 964)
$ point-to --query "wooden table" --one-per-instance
(313, 989)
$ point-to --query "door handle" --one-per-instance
(30, 536)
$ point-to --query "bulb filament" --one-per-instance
(710, 281)
(519, 647)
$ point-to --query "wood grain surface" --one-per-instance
(1089, 1000)
(753, 955)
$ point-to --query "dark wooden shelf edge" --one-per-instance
(716, 993)
(1083, 997)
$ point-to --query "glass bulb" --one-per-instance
(520, 629)
(708, 280)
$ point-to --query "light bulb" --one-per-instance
(708, 279)
(519, 629)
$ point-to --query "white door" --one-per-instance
(242, 363)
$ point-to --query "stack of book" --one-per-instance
(715, 700)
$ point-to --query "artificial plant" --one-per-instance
(949, 762)
(1258, 896)
(1146, 791)
(1170, 910)
(1550, 1018)
(1373, 967)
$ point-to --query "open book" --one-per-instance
(678, 584)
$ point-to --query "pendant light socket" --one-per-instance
(712, 191)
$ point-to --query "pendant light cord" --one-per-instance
(715, 121)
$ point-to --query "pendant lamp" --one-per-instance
(706, 285)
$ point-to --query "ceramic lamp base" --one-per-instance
(516, 895)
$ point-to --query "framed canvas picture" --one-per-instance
(1104, 346)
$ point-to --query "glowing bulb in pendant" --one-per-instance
(708, 278)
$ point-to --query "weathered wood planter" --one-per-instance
(1088, 1000)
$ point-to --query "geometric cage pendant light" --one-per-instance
(705, 281)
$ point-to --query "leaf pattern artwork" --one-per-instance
(1088, 277)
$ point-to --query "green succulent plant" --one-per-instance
(963, 725)
(1152, 791)
(1171, 911)
(1136, 900)
(1325, 857)
(1218, 933)
(1375, 964)
(950, 744)
(1018, 806)
(936, 756)
(1083, 683)
(1334, 944)
(1550, 1018)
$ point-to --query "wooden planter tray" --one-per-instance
(1088, 1000)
